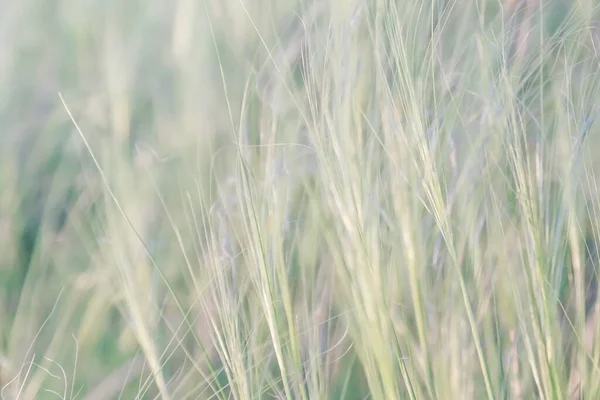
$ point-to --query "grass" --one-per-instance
(299, 200)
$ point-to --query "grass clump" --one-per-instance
(299, 200)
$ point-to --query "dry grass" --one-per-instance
(299, 200)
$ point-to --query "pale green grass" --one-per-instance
(299, 200)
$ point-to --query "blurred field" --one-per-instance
(309, 199)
